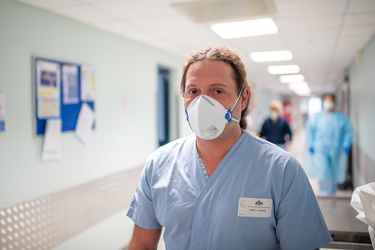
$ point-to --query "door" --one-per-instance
(163, 106)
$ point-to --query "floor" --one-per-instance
(296, 148)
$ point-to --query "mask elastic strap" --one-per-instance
(228, 115)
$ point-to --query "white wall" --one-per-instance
(362, 92)
(126, 75)
(261, 104)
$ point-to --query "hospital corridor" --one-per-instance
(187, 124)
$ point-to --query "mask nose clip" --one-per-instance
(187, 115)
(228, 115)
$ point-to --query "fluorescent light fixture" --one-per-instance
(306, 92)
(283, 69)
(298, 85)
(258, 27)
(300, 88)
(291, 78)
(271, 56)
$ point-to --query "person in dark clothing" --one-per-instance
(276, 128)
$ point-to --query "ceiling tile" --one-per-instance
(82, 12)
(361, 6)
(311, 8)
(46, 4)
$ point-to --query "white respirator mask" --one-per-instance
(274, 115)
(328, 105)
(207, 117)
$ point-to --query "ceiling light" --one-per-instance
(258, 27)
(306, 92)
(271, 56)
(291, 78)
(300, 88)
(298, 85)
(283, 69)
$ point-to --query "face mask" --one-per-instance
(274, 115)
(207, 117)
(328, 105)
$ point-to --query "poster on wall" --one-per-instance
(87, 83)
(2, 111)
(70, 84)
(85, 122)
(48, 89)
(51, 145)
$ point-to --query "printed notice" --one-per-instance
(87, 83)
(48, 89)
(51, 145)
(70, 84)
(85, 123)
(255, 207)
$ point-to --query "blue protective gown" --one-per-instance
(259, 197)
(328, 134)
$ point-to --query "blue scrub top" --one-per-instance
(258, 198)
(328, 133)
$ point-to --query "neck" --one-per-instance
(212, 152)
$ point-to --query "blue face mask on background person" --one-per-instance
(207, 117)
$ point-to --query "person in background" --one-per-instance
(329, 136)
(276, 128)
(223, 188)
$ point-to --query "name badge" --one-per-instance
(255, 207)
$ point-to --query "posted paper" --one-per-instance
(51, 146)
(70, 84)
(87, 83)
(85, 123)
(48, 89)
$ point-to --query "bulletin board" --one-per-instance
(60, 90)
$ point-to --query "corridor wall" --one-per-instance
(125, 132)
(362, 102)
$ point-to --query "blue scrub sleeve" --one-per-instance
(349, 133)
(300, 223)
(141, 209)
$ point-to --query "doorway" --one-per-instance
(163, 105)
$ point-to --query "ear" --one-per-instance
(245, 97)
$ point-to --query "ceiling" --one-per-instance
(324, 36)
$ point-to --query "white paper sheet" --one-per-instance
(70, 84)
(84, 124)
(48, 89)
(87, 83)
(51, 146)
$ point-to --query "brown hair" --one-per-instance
(228, 56)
